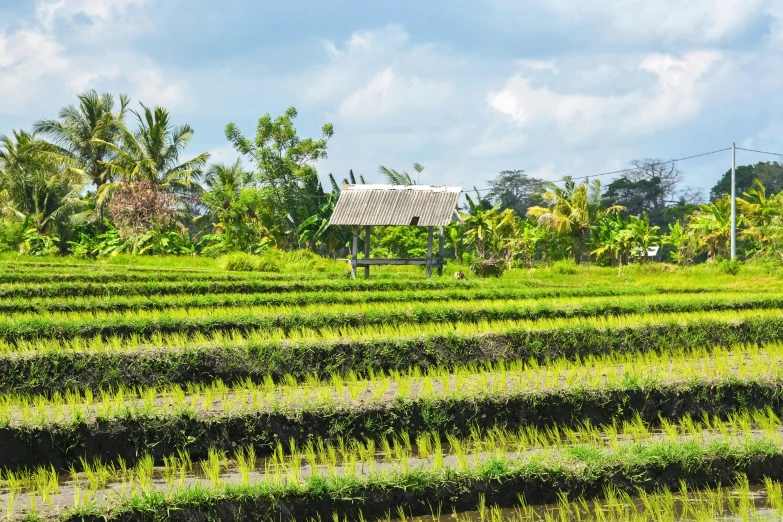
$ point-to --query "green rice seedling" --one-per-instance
(766, 364)
(14, 481)
(245, 459)
(171, 467)
(617, 506)
(457, 448)
(268, 323)
(405, 440)
(295, 461)
(482, 507)
(131, 303)
(212, 466)
(311, 457)
(124, 474)
(423, 445)
(549, 378)
(143, 473)
(386, 449)
(10, 502)
(370, 445)
(46, 484)
(774, 492)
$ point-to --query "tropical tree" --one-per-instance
(478, 225)
(611, 240)
(515, 190)
(572, 210)
(453, 235)
(238, 211)
(85, 134)
(685, 243)
(761, 215)
(152, 154)
(712, 223)
(521, 242)
(150, 157)
(315, 230)
(488, 229)
(394, 177)
(285, 165)
(643, 236)
(624, 239)
(350, 180)
(35, 186)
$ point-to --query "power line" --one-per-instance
(761, 151)
(622, 171)
(629, 169)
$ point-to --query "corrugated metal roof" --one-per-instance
(395, 205)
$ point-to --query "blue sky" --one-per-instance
(554, 87)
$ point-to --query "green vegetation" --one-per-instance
(141, 390)
(110, 178)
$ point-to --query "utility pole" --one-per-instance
(733, 203)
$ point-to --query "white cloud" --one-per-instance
(388, 93)
(226, 154)
(380, 61)
(538, 65)
(38, 61)
(48, 12)
(389, 100)
(672, 98)
(701, 21)
(28, 61)
(501, 140)
(151, 86)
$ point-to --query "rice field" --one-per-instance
(134, 392)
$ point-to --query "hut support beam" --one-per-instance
(367, 250)
(354, 251)
(429, 251)
(441, 250)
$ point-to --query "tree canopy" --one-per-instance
(769, 173)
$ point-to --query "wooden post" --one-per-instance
(355, 251)
(429, 252)
(441, 251)
(367, 250)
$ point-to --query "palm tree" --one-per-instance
(713, 224)
(573, 210)
(756, 207)
(762, 214)
(222, 185)
(83, 133)
(231, 178)
(35, 186)
(152, 154)
(401, 178)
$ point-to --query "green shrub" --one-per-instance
(564, 267)
(11, 236)
(37, 244)
(729, 266)
(488, 268)
(297, 256)
(269, 262)
(239, 262)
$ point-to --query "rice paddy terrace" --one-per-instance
(134, 393)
